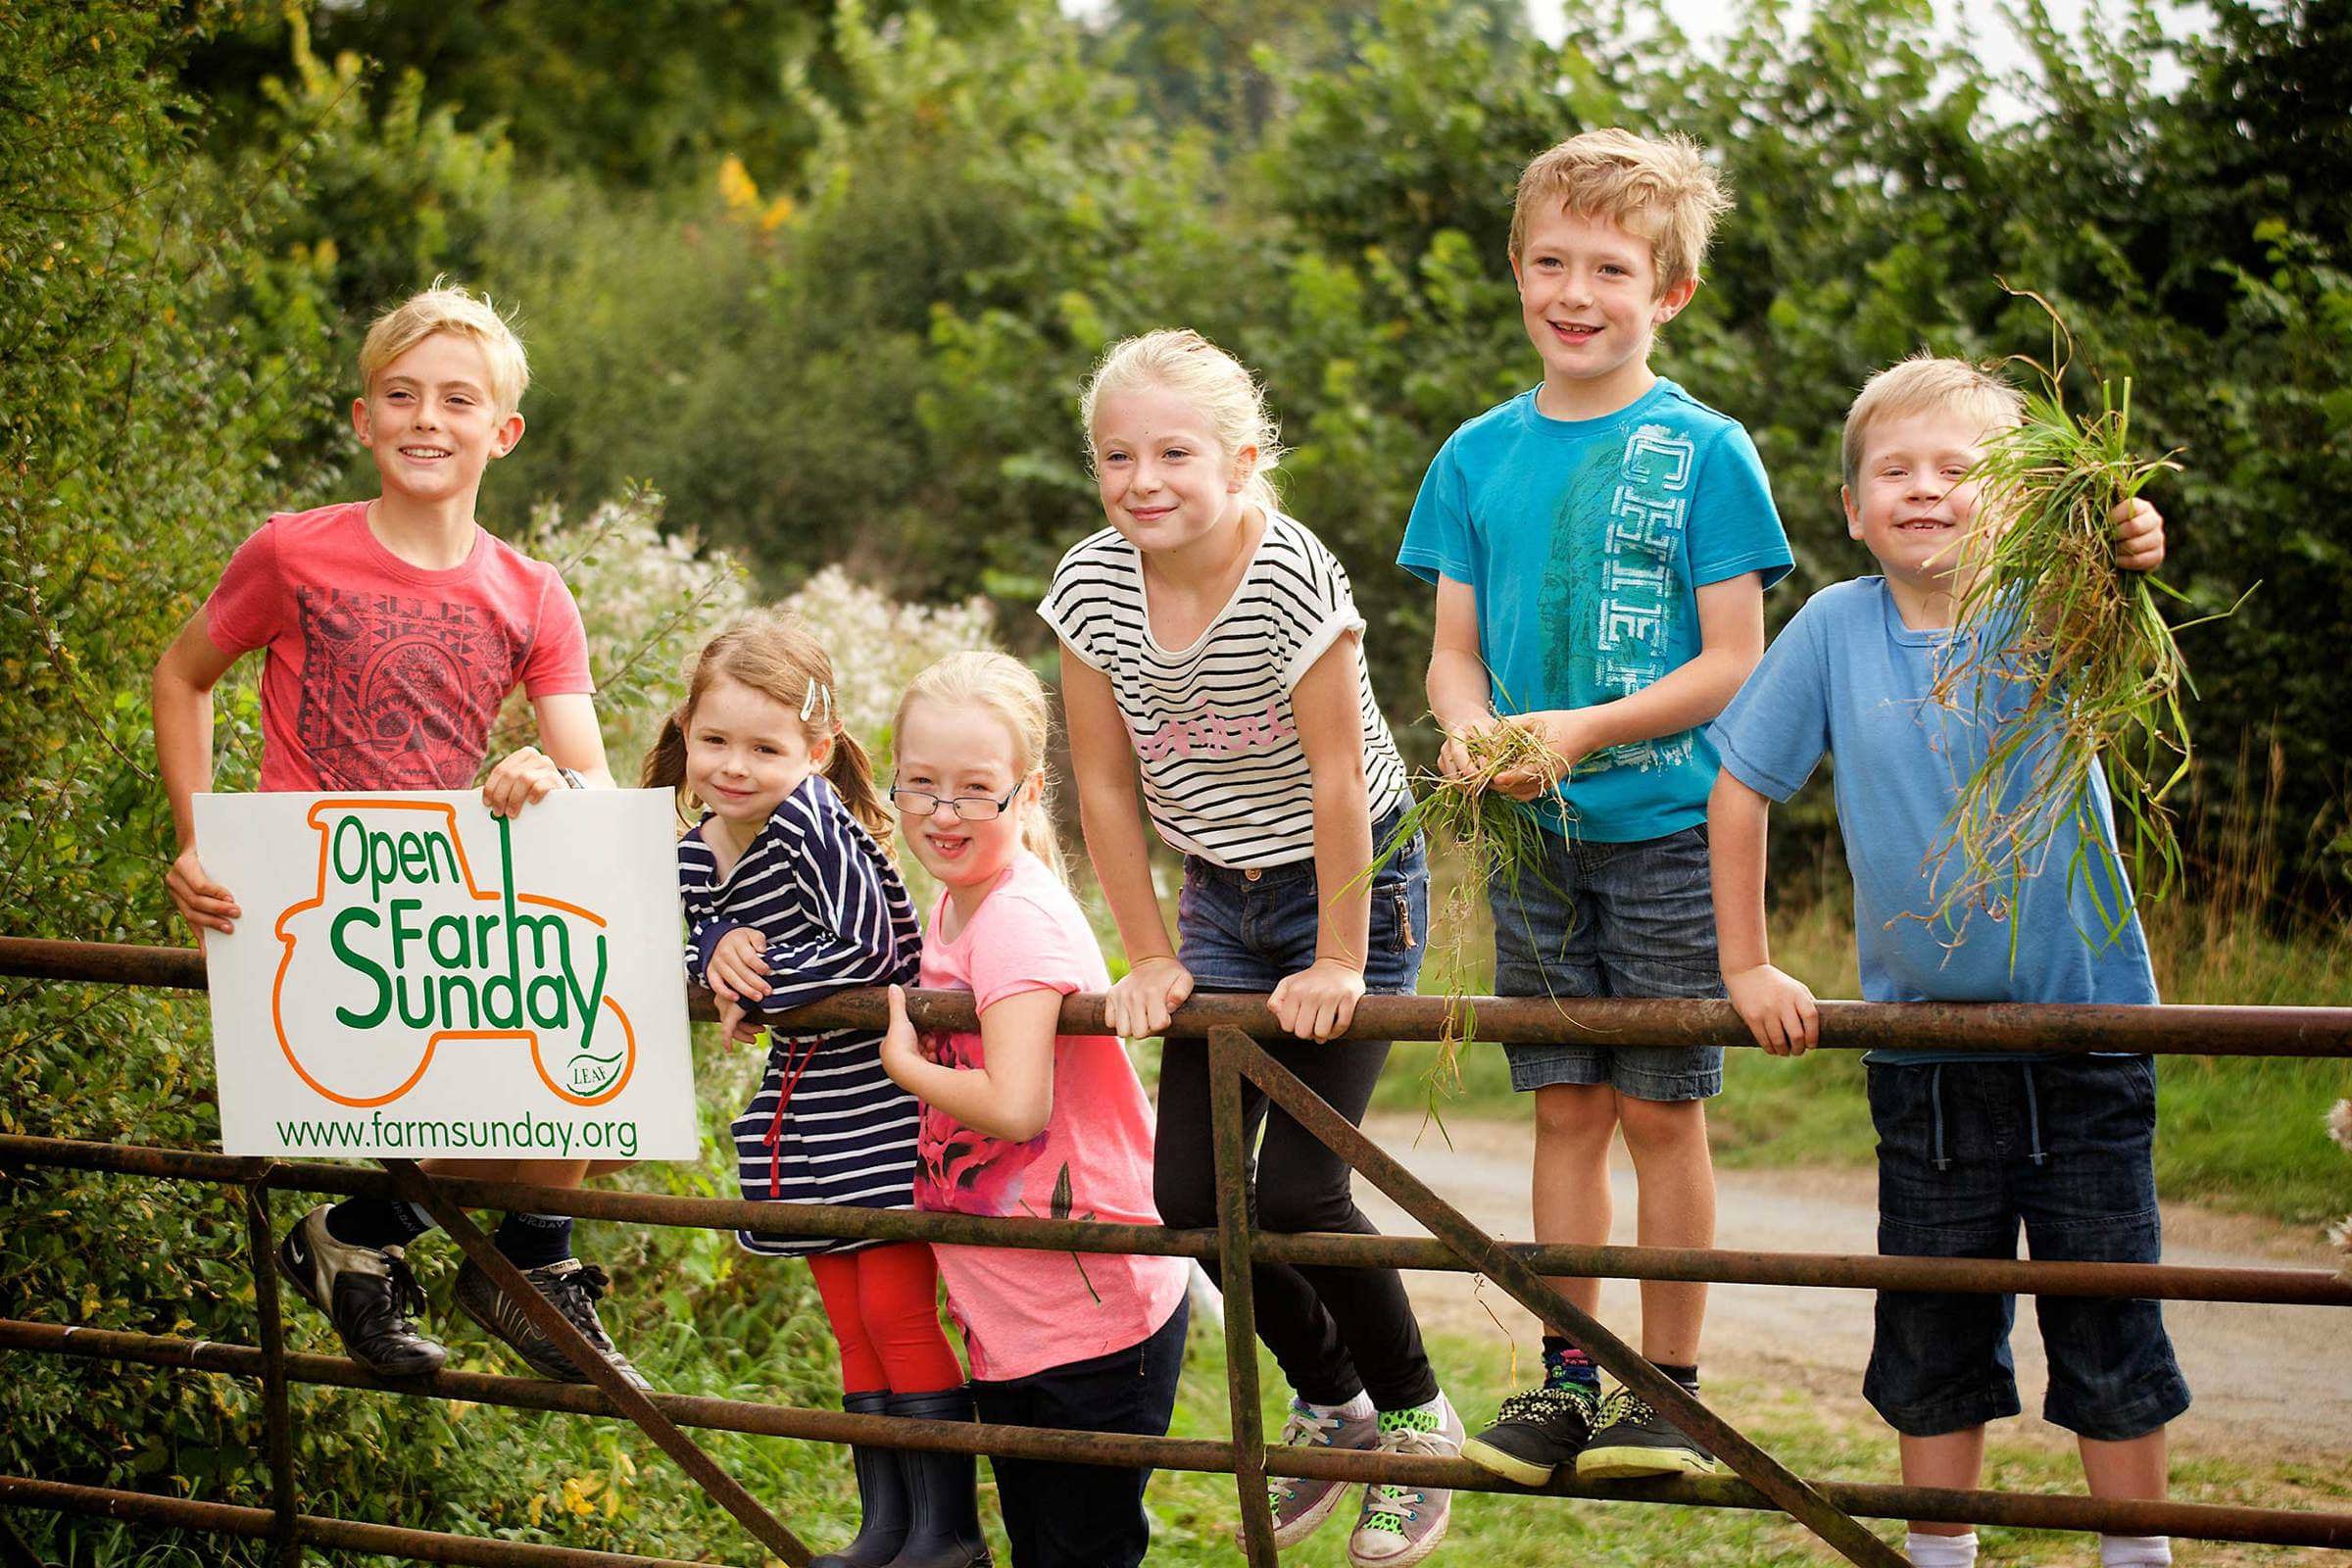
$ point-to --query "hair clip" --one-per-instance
(818, 704)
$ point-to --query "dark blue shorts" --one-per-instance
(1968, 1151)
(1631, 919)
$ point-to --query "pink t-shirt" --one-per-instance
(1025, 1312)
(381, 675)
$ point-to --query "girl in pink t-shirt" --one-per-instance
(1020, 1119)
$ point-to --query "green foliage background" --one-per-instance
(830, 276)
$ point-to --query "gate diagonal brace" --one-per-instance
(626, 1398)
(1838, 1529)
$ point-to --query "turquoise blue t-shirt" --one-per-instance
(1587, 542)
(1846, 677)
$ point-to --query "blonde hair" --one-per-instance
(1928, 383)
(1010, 689)
(448, 309)
(775, 653)
(1182, 361)
(1662, 189)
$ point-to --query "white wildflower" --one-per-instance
(878, 645)
(2339, 1124)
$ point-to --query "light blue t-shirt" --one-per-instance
(1846, 676)
(1587, 542)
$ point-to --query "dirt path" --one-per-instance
(2267, 1379)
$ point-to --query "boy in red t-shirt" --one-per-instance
(395, 628)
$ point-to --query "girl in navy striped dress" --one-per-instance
(791, 898)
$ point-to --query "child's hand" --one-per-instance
(1143, 999)
(1454, 758)
(202, 902)
(2138, 535)
(735, 1025)
(1778, 1009)
(524, 778)
(1561, 736)
(737, 971)
(903, 1052)
(1318, 1002)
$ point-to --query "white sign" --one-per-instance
(413, 976)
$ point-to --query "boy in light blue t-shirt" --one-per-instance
(1971, 1144)
(1600, 547)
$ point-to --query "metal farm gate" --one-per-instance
(1830, 1510)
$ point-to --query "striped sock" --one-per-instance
(1564, 1365)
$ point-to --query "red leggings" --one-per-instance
(884, 1305)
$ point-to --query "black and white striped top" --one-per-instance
(1224, 775)
(827, 1125)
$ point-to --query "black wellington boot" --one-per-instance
(945, 1532)
(882, 1496)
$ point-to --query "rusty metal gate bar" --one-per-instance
(2174, 1281)
(1229, 1129)
(2046, 1028)
(348, 1535)
(261, 1241)
(2025, 1510)
(1233, 1056)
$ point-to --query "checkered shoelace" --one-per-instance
(1544, 1402)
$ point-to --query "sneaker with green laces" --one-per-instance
(1535, 1432)
(1301, 1503)
(1635, 1441)
(1400, 1524)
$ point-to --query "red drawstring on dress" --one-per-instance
(789, 1076)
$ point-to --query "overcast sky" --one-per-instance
(1996, 44)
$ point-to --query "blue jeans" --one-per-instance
(1060, 1515)
(1968, 1151)
(1633, 919)
(1335, 1332)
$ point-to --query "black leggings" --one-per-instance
(1336, 1332)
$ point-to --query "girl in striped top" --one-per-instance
(790, 898)
(1211, 651)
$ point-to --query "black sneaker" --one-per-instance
(1635, 1441)
(1535, 1432)
(367, 1293)
(573, 1287)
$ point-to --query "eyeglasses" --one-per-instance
(970, 807)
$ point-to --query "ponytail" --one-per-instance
(1038, 833)
(777, 655)
(850, 773)
(665, 767)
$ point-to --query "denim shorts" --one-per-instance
(1631, 919)
(1246, 930)
(1968, 1151)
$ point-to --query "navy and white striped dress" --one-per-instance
(827, 1125)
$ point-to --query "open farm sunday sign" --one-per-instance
(413, 976)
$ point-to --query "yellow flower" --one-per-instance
(735, 185)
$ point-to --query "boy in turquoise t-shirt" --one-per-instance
(1600, 547)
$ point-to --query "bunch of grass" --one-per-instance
(1498, 842)
(2076, 657)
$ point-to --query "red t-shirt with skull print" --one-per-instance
(381, 675)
